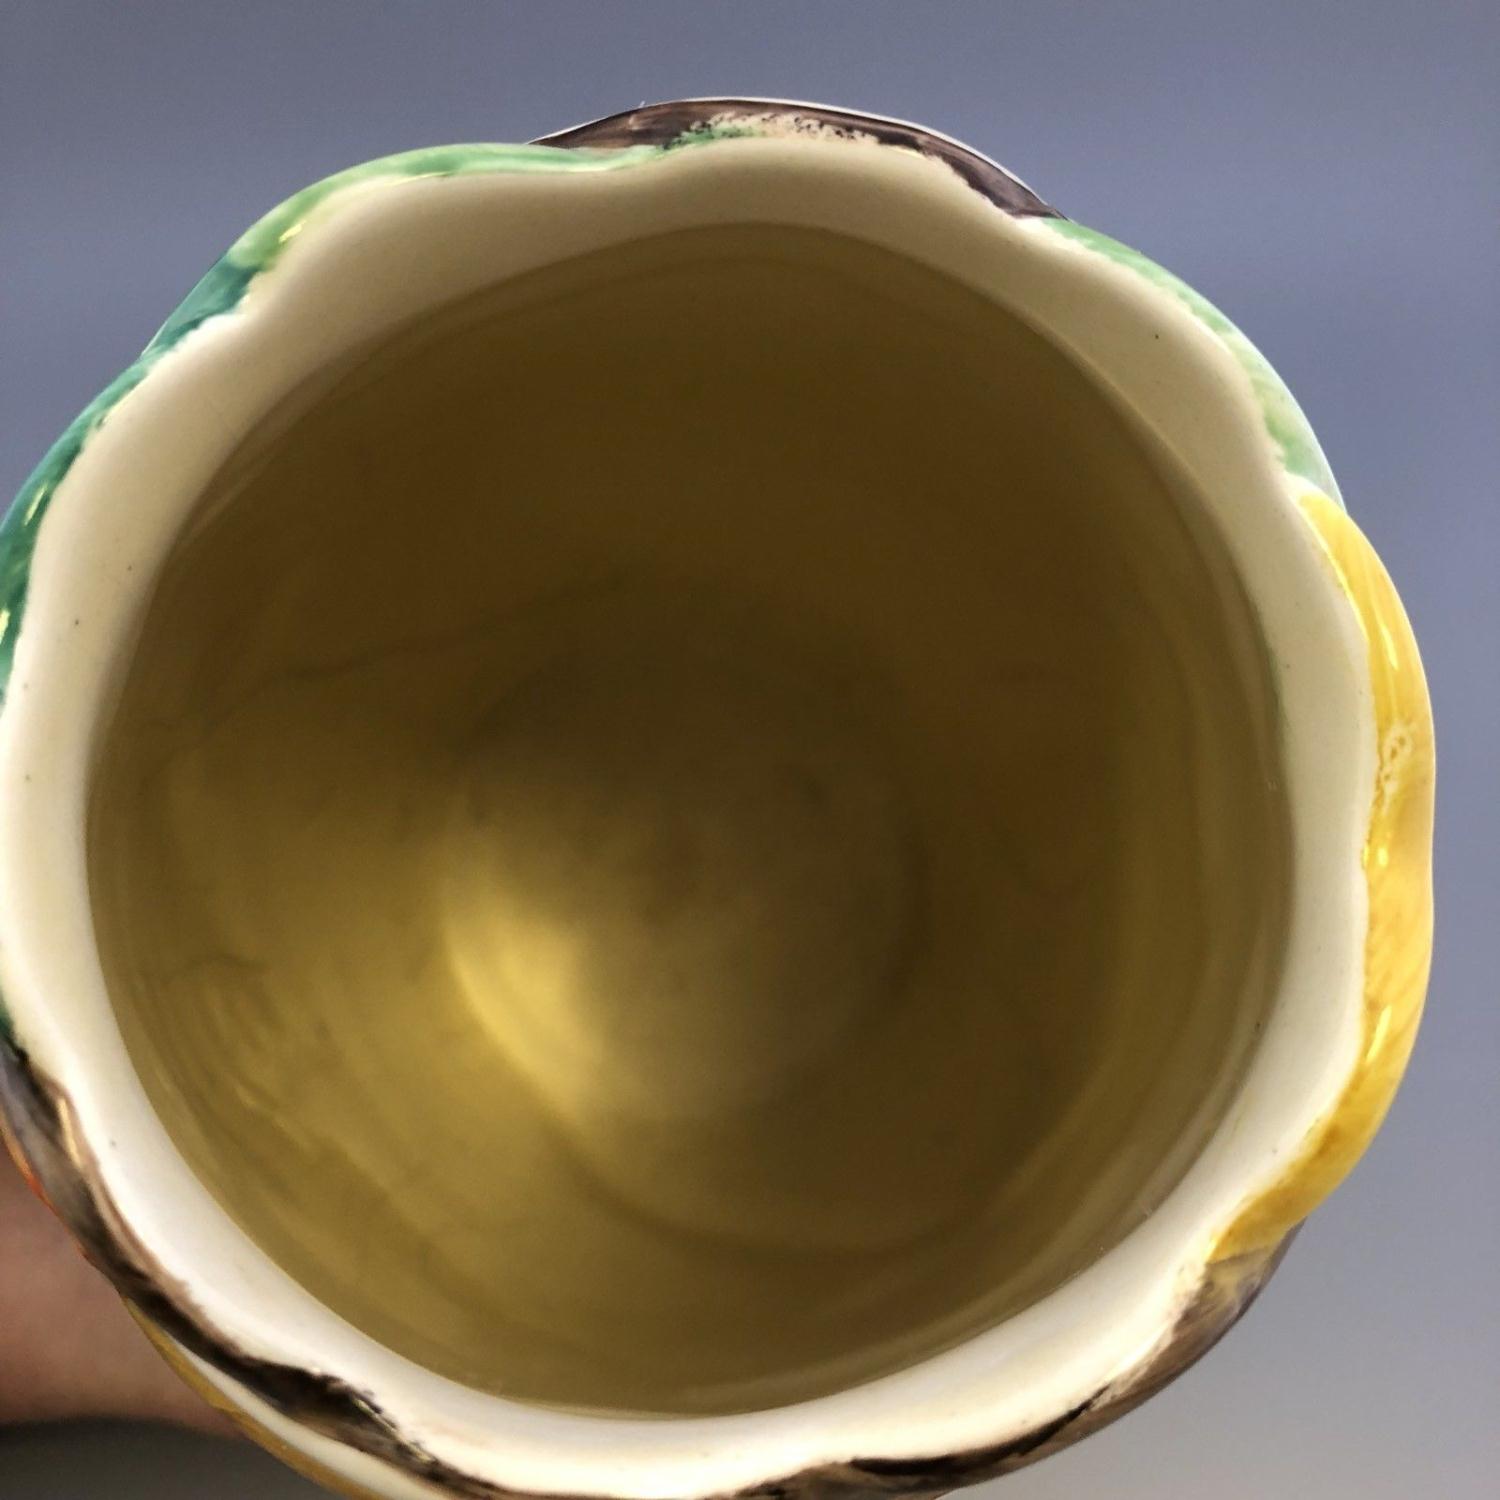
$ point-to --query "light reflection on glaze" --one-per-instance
(1397, 864)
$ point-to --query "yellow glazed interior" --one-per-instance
(694, 829)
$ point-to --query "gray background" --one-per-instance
(1326, 172)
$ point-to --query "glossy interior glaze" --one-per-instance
(694, 829)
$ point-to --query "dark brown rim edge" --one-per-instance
(49, 1149)
(683, 121)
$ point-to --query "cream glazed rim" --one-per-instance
(361, 253)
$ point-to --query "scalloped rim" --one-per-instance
(909, 1431)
